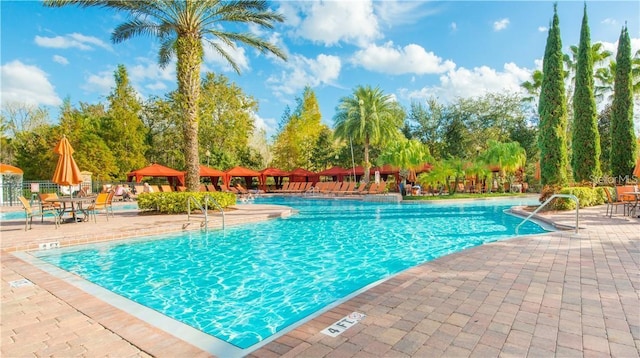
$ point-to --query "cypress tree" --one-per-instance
(623, 139)
(552, 109)
(585, 143)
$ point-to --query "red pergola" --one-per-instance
(157, 170)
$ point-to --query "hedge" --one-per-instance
(587, 196)
(176, 202)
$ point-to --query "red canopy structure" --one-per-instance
(9, 169)
(336, 172)
(246, 173)
(213, 174)
(276, 173)
(157, 170)
(304, 175)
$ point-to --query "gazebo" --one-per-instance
(238, 171)
(156, 170)
(303, 175)
(213, 174)
(335, 172)
(276, 173)
(10, 183)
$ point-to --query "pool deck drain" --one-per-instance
(556, 294)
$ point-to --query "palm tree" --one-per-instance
(405, 154)
(183, 27)
(368, 117)
(508, 157)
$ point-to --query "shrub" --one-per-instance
(587, 196)
(176, 202)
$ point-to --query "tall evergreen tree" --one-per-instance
(623, 139)
(585, 143)
(123, 132)
(552, 109)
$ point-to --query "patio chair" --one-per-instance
(614, 203)
(30, 212)
(98, 205)
(166, 188)
(45, 205)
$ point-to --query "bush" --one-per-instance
(587, 196)
(176, 202)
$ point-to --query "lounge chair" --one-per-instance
(382, 187)
(373, 188)
(30, 212)
(241, 189)
(166, 188)
(611, 203)
(362, 189)
(139, 189)
(211, 187)
(348, 188)
(203, 187)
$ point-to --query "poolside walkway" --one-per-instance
(557, 294)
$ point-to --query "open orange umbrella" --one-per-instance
(67, 171)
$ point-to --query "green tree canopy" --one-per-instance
(368, 117)
(182, 28)
(552, 110)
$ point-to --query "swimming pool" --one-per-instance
(252, 281)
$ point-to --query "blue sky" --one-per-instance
(411, 49)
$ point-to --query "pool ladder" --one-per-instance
(204, 209)
(570, 196)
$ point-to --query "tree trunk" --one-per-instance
(367, 165)
(189, 53)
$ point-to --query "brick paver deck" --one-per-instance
(557, 294)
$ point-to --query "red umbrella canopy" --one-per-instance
(67, 171)
(9, 169)
(210, 172)
(240, 172)
(301, 174)
(157, 170)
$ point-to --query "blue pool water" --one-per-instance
(247, 283)
(15, 215)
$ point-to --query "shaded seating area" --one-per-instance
(31, 211)
(174, 177)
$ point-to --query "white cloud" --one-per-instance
(156, 86)
(394, 60)
(148, 70)
(60, 59)
(300, 71)
(27, 84)
(500, 24)
(609, 21)
(543, 28)
(478, 81)
(453, 26)
(101, 83)
(74, 40)
(237, 54)
(332, 22)
(402, 12)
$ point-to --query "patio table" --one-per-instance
(73, 206)
(634, 206)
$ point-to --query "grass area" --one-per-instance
(463, 196)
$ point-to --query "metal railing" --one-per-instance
(570, 196)
(204, 208)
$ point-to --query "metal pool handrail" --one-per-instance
(570, 196)
(204, 209)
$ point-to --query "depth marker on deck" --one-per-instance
(342, 325)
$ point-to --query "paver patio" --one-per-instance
(557, 294)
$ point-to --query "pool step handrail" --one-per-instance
(204, 208)
(570, 196)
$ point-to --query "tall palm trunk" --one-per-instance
(189, 53)
(367, 164)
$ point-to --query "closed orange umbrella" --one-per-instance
(67, 171)
(636, 171)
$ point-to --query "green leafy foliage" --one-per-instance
(623, 140)
(587, 196)
(176, 202)
(585, 159)
(552, 109)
